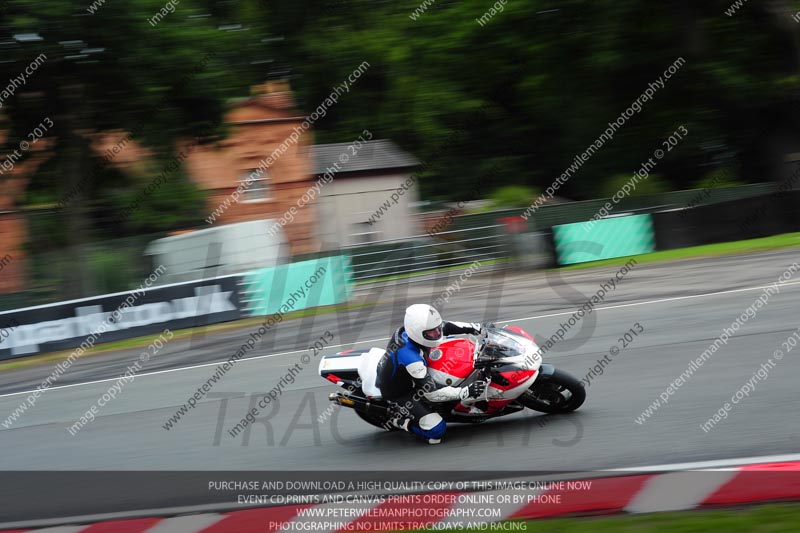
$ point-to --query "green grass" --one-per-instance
(776, 242)
(758, 519)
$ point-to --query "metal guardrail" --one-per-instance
(427, 254)
(568, 212)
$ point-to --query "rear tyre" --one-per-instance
(560, 393)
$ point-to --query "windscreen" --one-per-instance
(501, 344)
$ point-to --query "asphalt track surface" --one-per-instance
(682, 307)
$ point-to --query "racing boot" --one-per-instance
(403, 423)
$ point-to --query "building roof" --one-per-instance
(381, 154)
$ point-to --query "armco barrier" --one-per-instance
(603, 239)
(314, 283)
(66, 325)
(750, 218)
(70, 324)
(556, 214)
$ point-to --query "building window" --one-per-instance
(258, 190)
(364, 233)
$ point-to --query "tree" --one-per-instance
(129, 66)
(549, 76)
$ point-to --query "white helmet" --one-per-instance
(424, 325)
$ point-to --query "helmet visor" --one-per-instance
(433, 334)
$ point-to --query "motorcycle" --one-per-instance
(507, 358)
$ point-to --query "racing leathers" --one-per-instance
(403, 378)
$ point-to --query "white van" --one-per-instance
(219, 250)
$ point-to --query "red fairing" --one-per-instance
(517, 329)
(515, 379)
(495, 406)
(455, 358)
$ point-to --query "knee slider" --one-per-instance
(437, 432)
(432, 426)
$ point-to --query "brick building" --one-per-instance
(13, 226)
(259, 125)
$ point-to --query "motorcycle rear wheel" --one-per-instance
(560, 393)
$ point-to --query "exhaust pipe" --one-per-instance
(361, 404)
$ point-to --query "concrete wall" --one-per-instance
(348, 202)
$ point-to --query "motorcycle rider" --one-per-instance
(403, 377)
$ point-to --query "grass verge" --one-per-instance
(776, 242)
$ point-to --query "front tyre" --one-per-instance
(558, 393)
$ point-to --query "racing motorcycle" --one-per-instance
(507, 357)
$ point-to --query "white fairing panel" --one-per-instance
(493, 393)
(331, 364)
(368, 371)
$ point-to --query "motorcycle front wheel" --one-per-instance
(559, 393)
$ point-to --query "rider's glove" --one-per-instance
(480, 329)
(473, 390)
(397, 423)
(483, 329)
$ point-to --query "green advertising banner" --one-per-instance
(604, 239)
(295, 286)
